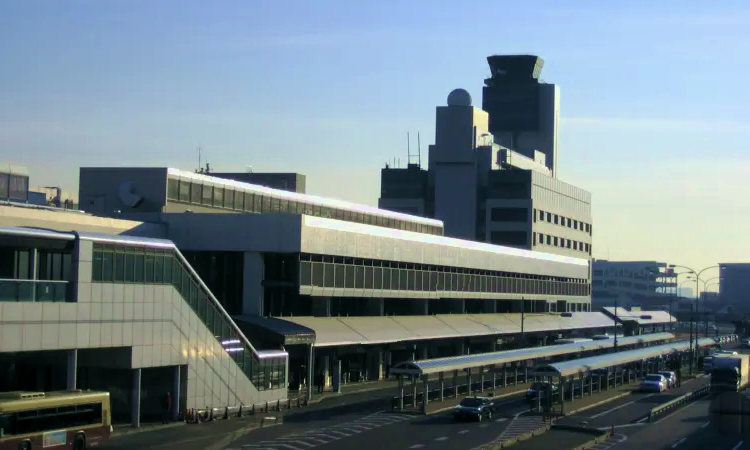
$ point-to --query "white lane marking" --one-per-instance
(705, 424)
(502, 419)
(617, 407)
(623, 426)
(679, 442)
(739, 444)
(463, 431)
(302, 443)
(287, 446)
(441, 438)
(417, 446)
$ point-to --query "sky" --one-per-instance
(654, 115)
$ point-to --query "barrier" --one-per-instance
(198, 415)
(676, 403)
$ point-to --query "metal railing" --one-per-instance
(676, 403)
(15, 290)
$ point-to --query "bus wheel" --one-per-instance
(25, 446)
(79, 443)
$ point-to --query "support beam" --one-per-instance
(176, 393)
(310, 372)
(72, 369)
(135, 412)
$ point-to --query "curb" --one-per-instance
(603, 437)
(506, 395)
(231, 437)
(516, 439)
(130, 431)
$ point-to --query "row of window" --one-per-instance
(155, 266)
(48, 419)
(562, 221)
(331, 275)
(428, 267)
(547, 239)
(217, 197)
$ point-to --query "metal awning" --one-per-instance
(640, 317)
(287, 333)
(369, 330)
(431, 366)
(583, 365)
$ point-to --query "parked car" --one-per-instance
(671, 378)
(474, 408)
(654, 383)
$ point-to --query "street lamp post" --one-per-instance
(694, 351)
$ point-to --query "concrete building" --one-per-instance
(524, 112)
(632, 283)
(734, 286)
(14, 184)
(232, 293)
(485, 192)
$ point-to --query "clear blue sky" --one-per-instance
(655, 118)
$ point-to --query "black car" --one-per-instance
(540, 386)
(474, 408)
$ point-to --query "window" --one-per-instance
(185, 191)
(218, 197)
(556, 219)
(173, 189)
(208, 195)
(250, 202)
(196, 192)
(229, 199)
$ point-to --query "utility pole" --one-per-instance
(692, 352)
(523, 318)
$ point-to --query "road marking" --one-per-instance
(463, 431)
(442, 438)
(705, 424)
(739, 444)
(623, 426)
(503, 419)
(618, 407)
(484, 425)
(417, 446)
(679, 442)
(287, 446)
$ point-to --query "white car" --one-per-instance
(654, 383)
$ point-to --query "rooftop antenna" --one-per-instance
(200, 168)
(408, 148)
(419, 151)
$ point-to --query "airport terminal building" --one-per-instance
(229, 293)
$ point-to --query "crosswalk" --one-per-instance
(320, 436)
(611, 442)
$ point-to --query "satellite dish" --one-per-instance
(459, 97)
(127, 195)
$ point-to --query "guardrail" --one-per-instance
(201, 415)
(676, 403)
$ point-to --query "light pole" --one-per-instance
(697, 274)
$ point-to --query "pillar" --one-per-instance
(425, 393)
(481, 379)
(72, 370)
(310, 372)
(490, 306)
(176, 393)
(375, 306)
(400, 392)
(321, 306)
(253, 273)
(336, 384)
(424, 353)
(135, 412)
(442, 386)
(414, 391)
(375, 365)
(562, 395)
(419, 306)
(34, 264)
(455, 383)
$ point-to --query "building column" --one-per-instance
(420, 306)
(490, 306)
(375, 365)
(176, 393)
(336, 376)
(253, 273)
(135, 412)
(375, 306)
(34, 264)
(310, 372)
(321, 306)
(72, 369)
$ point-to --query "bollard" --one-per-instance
(226, 413)
(278, 405)
(299, 405)
(239, 411)
(253, 409)
(266, 406)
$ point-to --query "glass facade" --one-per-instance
(18, 282)
(14, 188)
(126, 264)
(184, 191)
(355, 273)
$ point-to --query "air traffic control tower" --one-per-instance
(524, 111)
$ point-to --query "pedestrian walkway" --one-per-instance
(321, 436)
(519, 425)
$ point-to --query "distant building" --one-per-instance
(647, 283)
(734, 285)
(14, 183)
(486, 192)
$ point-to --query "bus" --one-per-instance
(64, 420)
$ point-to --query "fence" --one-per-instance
(199, 415)
(676, 403)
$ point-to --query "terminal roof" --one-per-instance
(431, 366)
(337, 331)
(639, 317)
(583, 365)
